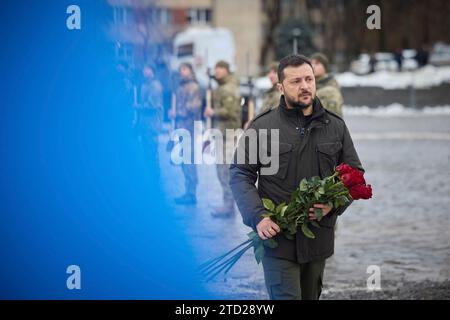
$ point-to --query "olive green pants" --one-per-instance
(288, 280)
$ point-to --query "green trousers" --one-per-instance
(288, 280)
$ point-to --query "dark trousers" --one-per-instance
(288, 280)
(190, 179)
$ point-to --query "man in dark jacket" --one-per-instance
(312, 141)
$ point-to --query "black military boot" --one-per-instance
(187, 199)
(223, 212)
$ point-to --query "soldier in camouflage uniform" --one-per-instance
(149, 114)
(328, 90)
(188, 104)
(272, 96)
(227, 115)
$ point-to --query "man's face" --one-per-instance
(319, 69)
(220, 73)
(148, 72)
(120, 68)
(273, 77)
(185, 72)
(298, 85)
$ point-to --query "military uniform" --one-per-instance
(329, 93)
(149, 118)
(227, 115)
(271, 99)
(188, 110)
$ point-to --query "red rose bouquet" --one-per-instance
(346, 184)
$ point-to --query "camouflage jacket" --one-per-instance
(329, 93)
(150, 107)
(271, 99)
(188, 103)
(227, 104)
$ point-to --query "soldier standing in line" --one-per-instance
(186, 109)
(227, 115)
(328, 90)
(149, 114)
(271, 98)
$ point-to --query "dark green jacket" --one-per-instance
(305, 150)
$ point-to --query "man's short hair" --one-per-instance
(293, 60)
(273, 66)
(323, 59)
(223, 64)
(123, 63)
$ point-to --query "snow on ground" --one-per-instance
(426, 77)
(403, 229)
(395, 110)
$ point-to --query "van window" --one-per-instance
(185, 50)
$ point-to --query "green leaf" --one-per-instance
(289, 236)
(268, 204)
(292, 229)
(315, 179)
(283, 210)
(280, 207)
(303, 185)
(315, 224)
(336, 204)
(295, 195)
(308, 233)
(270, 243)
(318, 213)
(259, 251)
(252, 235)
(345, 200)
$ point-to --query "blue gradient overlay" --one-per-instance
(75, 189)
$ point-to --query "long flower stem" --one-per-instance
(229, 263)
(238, 256)
(210, 269)
(216, 260)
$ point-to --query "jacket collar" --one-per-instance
(224, 80)
(318, 110)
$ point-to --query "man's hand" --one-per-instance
(209, 112)
(267, 228)
(325, 210)
(171, 113)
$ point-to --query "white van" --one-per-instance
(203, 47)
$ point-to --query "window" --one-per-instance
(124, 51)
(185, 50)
(160, 16)
(198, 16)
(122, 15)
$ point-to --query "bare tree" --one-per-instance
(272, 13)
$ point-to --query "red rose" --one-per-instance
(353, 178)
(360, 191)
(343, 169)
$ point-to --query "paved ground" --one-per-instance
(403, 229)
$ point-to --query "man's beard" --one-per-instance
(297, 105)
